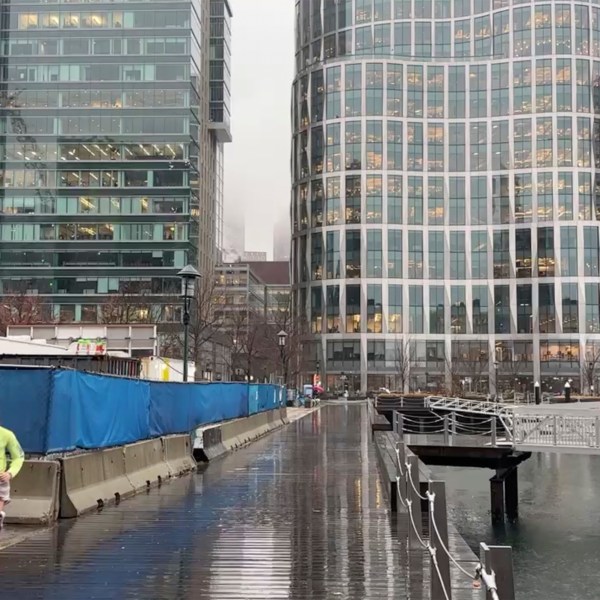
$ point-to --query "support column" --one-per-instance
(497, 498)
(511, 492)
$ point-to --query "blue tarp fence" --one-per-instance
(54, 410)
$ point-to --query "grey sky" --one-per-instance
(257, 163)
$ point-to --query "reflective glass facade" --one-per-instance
(109, 180)
(445, 189)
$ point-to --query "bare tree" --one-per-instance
(244, 330)
(461, 368)
(23, 309)
(128, 307)
(403, 359)
(512, 370)
(287, 359)
(590, 368)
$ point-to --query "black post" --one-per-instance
(439, 539)
(186, 326)
(498, 560)
(281, 350)
(567, 392)
(497, 498)
(537, 394)
(511, 494)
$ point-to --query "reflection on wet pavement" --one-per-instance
(299, 515)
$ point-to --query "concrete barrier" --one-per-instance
(210, 445)
(284, 416)
(93, 480)
(178, 454)
(145, 464)
(35, 493)
(234, 434)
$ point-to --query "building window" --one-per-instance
(353, 254)
(546, 259)
(457, 255)
(436, 255)
(353, 146)
(353, 90)
(568, 251)
(353, 199)
(394, 254)
(353, 309)
(394, 309)
(374, 253)
(570, 310)
(436, 309)
(435, 203)
(524, 309)
(415, 255)
(415, 314)
(480, 307)
(523, 253)
(592, 308)
(415, 201)
(458, 309)
(333, 255)
(333, 309)
(502, 262)
(374, 145)
(502, 309)
(394, 199)
(316, 310)
(547, 308)
(374, 309)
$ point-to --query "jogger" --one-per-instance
(9, 446)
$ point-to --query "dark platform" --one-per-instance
(465, 451)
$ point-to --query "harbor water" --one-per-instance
(556, 543)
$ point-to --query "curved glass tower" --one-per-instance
(445, 197)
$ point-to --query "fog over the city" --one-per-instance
(257, 165)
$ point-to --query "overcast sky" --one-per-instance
(257, 163)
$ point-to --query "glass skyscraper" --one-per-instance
(112, 120)
(446, 192)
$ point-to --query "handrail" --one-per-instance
(526, 428)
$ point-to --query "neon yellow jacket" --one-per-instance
(10, 445)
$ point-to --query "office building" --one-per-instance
(445, 196)
(113, 117)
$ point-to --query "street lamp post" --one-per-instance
(188, 276)
(282, 339)
(496, 380)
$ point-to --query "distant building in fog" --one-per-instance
(282, 239)
(254, 257)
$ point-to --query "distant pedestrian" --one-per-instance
(9, 446)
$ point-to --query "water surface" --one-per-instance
(556, 543)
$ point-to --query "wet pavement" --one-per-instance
(299, 514)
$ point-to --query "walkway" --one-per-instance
(298, 515)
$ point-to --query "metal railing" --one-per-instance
(474, 407)
(525, 429)
(556, 431)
